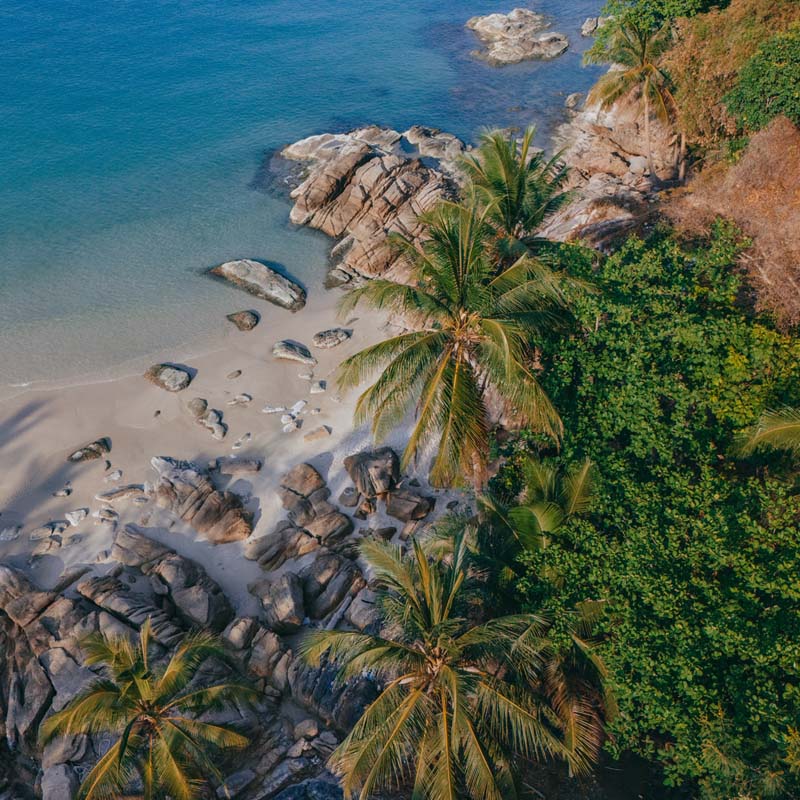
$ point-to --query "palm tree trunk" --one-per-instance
(648, 144)
(682, 163)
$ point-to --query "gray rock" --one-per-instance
(407, 506)
(573, 100)
(236, 783)
(91, 451)
(282, 600)
(593, 24)
(169, 377)
(312, 790)
(286, 541)
(239, 633)
(59, 783)
(262, 281)
(288, 350)
(306, 729)
(349, 497)
(374, 472)
(67, 677)
(64, 749)
(244, 320)
(517, 36)
(362, 613)
(332, 337)
(330, 527)
(197, 407)
(302, 480)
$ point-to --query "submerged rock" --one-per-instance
(517, 36)
(262, 281)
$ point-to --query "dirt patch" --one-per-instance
(761, 194)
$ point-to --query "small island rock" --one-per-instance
(517, 36)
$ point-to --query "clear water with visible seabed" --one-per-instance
(131, 132)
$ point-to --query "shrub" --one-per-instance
(769, 83)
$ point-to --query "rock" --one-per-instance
(239, 633)
(434, 143)
(10, 533)
(77, 516)
(349, 497)
(197, 407)
(232, 376)
(318, 387)
(29, 698)
(238, 466)
(407, 506)
(330, 527)
(593, 24)
(236, 783)
(59, 783)
(312, 790)
(306, 375)
(302, 480)
(386, 533)
(306, 729)
(244, 320)
(288, 350)
(573, 100)
(517, 36)
(218, 430)
(285, 542)
(320, 432)
(638, 165)
(263, 282)
(169, 377)
(67, 677)
(332, 337)
(375, 472)
(240, 400)
(46, 547)
(298, 407)
(65, 491)
(362, 613)
(287, 771)
(91, 451)
(113, 476)
(273, 410)
(187, 491)
(360, 187)
(266, 653)
(282, 600)
(327, 581)
(64, 749)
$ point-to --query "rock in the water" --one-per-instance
(244, 320)
(169, 377)
(407, 506)
(293, 351)
(282, 600)
(573, 100)
(374, 472)
(517, 36)
(434, 143)
(188, 492)
(262, 281)
(330, 338)
(592, 24)
(91, 451)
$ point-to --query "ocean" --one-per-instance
(132, 131)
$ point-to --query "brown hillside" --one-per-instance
(761, 193)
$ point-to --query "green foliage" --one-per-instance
(463, 701)
(695, 550)
(769, 83)
(153, 710)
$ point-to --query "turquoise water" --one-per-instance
(131, 131)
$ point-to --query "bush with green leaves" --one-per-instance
(769, 83)
(695, 549)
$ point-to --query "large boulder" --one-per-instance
(282, 600)
(287, 350)
(169, 377)
(520, 35)
(332, 337)
(374, 472)
(263, 282)
(302, 480)
(59, 783)
(187, 491)
(285, 542)
(408, 506)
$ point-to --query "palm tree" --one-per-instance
(518, 185)
(779, 430)
(154, 713)
(636, 47)
(468, 359)
(461, 702)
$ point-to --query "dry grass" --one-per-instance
(761, 194)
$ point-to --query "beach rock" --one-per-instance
(363, 613)
(74, 518)
(407, 506)
(169, 377)
(359, 188)
(244, 320)
(302, 480)
(237, 466)
(91, 451)
(332, 337)
(66, 676)
(349, 497)
(282, 601)
(197, 407)
(286, 541)
(318, 387)
(188, 492)
(374, 472)
(288, 350)
(239, 633)
(517, 36)
(330, 527)
(318, 433)
(59, 783)
(10, 533)
(327, 581)
(234, 374)
(266, 654)
(263, 282)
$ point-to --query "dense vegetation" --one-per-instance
(695, 549)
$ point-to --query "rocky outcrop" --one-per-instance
(244, 320)
(359, 188)
(169, 377)
(187, 491)
(282, 600)
(374, 472)
(263, 282)
(520, 35)
(286, 541)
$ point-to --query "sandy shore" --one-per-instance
(40, 428)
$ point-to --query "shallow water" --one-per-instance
(131, 133)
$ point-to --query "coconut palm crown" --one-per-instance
(153, 710)
(520, 187)
(461, 702)
(776, 430)
(467, 361)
